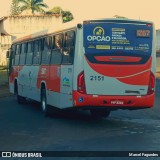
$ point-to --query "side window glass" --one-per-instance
(58, 41)
(46, 50)
(18, 49)
(69, 39)
(47, 43)
(17, 55)
(52, 42)
(29, 55)
(69, 45)
(56, 57)
(13, 52)
(37, 51)
(30, 48)
(23, 54)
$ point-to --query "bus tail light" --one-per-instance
(151, 84)
(149, 25)
(81, 83)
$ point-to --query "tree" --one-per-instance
(55, 10)
(66, 15)
(15, 8)
(32, 5)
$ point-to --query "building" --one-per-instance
(12, 27)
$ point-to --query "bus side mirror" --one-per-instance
(79, 26)
(8, 54)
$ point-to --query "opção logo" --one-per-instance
(98, 35)
(98, 31)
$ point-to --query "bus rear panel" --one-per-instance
(119, 65)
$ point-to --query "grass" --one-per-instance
(3, 77)
(4, 89)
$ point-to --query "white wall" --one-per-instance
(20, 26)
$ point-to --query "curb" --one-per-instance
(4, 91)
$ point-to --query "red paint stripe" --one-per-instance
(15, 73)
(48, 74)
(125, 71)
(140, 79)
(112, 70)
(117, 59)
(54, 81)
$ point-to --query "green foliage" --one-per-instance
(19, 6)
(15, 8)
(33, 5)
(66, 15)
(55, 10)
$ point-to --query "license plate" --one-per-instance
(117, 102)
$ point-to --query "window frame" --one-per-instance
(54, 49)
(39, 50)
(32, 45)
(17, 54)
(69, 47)
(44, 49)
(25, 53)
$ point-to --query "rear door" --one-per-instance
(67, 62)
(117, 57)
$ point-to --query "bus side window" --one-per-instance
(56, 57)
(68, 49)
(37, 52)
(17, 55)
(52, 42)
(12, 56)
(23, 54)
(46, 50)
(29, 55)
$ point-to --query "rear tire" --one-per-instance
(99, 113)
(20, 99)
(44, 106)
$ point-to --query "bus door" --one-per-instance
(117, 57)
(66, 86)
(67, 63)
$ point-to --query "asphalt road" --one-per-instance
(23, 127)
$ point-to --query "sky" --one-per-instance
(90, 9)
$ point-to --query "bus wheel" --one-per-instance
(99, 113)
(20, 99)
(44, 106)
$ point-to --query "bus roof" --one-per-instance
(72, 25)
(119, 19)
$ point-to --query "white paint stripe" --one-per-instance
(134, 74)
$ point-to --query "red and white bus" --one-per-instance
(99, 65)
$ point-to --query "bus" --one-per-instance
(98, 65)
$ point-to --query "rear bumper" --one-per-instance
(113, 102)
